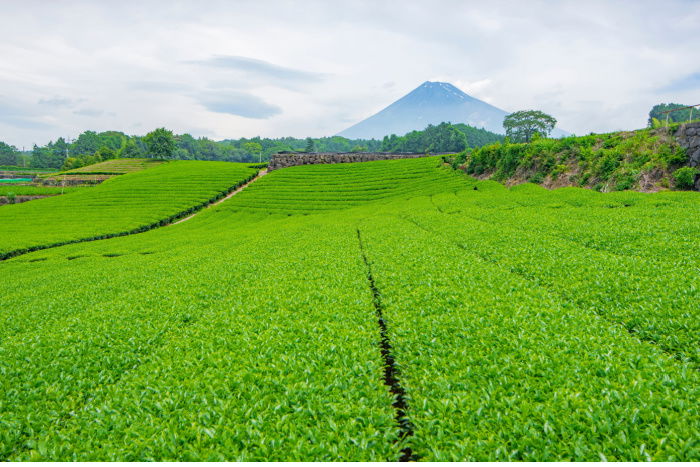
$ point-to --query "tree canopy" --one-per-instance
(310, 145)
(679, 116)
(521, 126)
(160, 143)
(444, 137)
(9, 155)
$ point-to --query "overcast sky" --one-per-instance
(236, 68)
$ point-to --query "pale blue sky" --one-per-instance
(233, 69)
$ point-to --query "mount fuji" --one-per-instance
(430, 103)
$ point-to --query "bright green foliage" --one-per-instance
(685, 177)
(608, 162)
(127, 203)
(308, 189)
(160, 143)
(526, 324)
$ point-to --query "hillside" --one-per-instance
(360, 312)
(125, 204)
(100, 171)
(115, 166)
(643, 160)
(430, 103)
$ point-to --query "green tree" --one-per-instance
(9, 155)
(106, 153)
(358, 148)
(112, 139)
(444, 137)
(679, 116)
(253, 149)
(160, 143)
(87, 143)
(522, 125)
(130, 149)
(310, 146)
(42, 157)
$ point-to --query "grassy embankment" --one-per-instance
(642, 160)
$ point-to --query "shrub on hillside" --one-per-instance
(684, 178)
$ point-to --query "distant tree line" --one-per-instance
(442, 138)
(92, 147)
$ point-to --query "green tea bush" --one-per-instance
(525, 324)
(126, 204)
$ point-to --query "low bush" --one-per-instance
(684, 178)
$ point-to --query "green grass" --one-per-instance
(525, 324)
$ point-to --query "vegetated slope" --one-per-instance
(121, 205)
(641, 160)
(245, 334)
(102, 170)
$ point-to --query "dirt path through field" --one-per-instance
(236, 191)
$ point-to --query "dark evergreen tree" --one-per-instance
(9, 155)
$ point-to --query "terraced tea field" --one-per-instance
(126, 204)
(116, 166)
(391, 310)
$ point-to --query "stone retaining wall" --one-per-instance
(688, 136)
(280, 161)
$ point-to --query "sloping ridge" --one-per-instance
(172, 219)
(429, 103)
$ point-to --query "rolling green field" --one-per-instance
(375, 311)
(124, 204)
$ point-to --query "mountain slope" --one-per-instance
(429, 103)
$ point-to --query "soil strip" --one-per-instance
(391, 371)
(235, 192)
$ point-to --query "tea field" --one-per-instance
(393, 310)
(129, 203)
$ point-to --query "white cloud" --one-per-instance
(284, 69)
